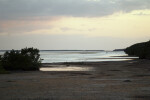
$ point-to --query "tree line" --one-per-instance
(142, 50)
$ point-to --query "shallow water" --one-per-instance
(65, 68)
(82, 56)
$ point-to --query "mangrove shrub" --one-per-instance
(25, 59)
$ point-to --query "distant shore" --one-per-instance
(113, 80)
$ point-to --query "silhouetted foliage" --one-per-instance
(142, 50)
(2, 70)
(26, 59)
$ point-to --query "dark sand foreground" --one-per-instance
(121, 80)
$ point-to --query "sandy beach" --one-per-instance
(118, 80)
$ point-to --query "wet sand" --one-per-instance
(119, 80)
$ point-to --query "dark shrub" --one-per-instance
(142, 50)
(2, 70)
(26, 59)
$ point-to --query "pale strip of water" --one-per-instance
(64, 68)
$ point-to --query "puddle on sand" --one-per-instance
(65, 68)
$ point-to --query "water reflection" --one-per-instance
(65, 68)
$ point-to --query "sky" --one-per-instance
(73, 24)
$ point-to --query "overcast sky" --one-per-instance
(73, 24)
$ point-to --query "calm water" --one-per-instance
(65, 68)
(80, 56)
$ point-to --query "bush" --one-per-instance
(26, 59)
(142, 50)
(2, 70)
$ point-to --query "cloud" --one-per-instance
(26, 9)
(24, 26)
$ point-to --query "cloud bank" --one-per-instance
(27, 9)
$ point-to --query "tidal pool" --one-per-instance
(65, 68)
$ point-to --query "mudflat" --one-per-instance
(119, 80)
